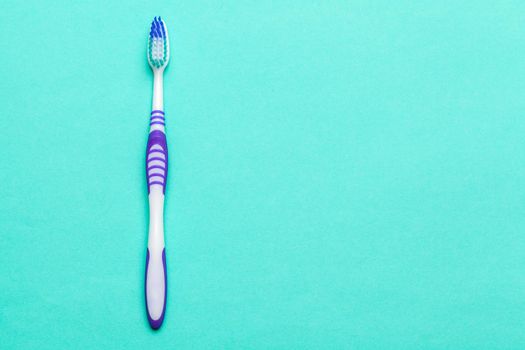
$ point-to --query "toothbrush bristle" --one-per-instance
(158, 45)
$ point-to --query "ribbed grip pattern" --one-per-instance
(157, 118)
(157, 154)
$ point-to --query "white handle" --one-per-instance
(156, 278)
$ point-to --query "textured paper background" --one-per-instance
(344, 174)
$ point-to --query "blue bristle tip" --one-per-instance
(157, 28)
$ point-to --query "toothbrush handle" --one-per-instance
(155, 287)
(156, 279)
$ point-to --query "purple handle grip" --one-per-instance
(155, 286)
(157, 154)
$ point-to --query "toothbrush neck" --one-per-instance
(157, 91)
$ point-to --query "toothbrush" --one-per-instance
(156, 173)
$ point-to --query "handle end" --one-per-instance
(155, 290)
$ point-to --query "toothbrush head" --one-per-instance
(158, 45)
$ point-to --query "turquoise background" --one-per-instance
(343, 175)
